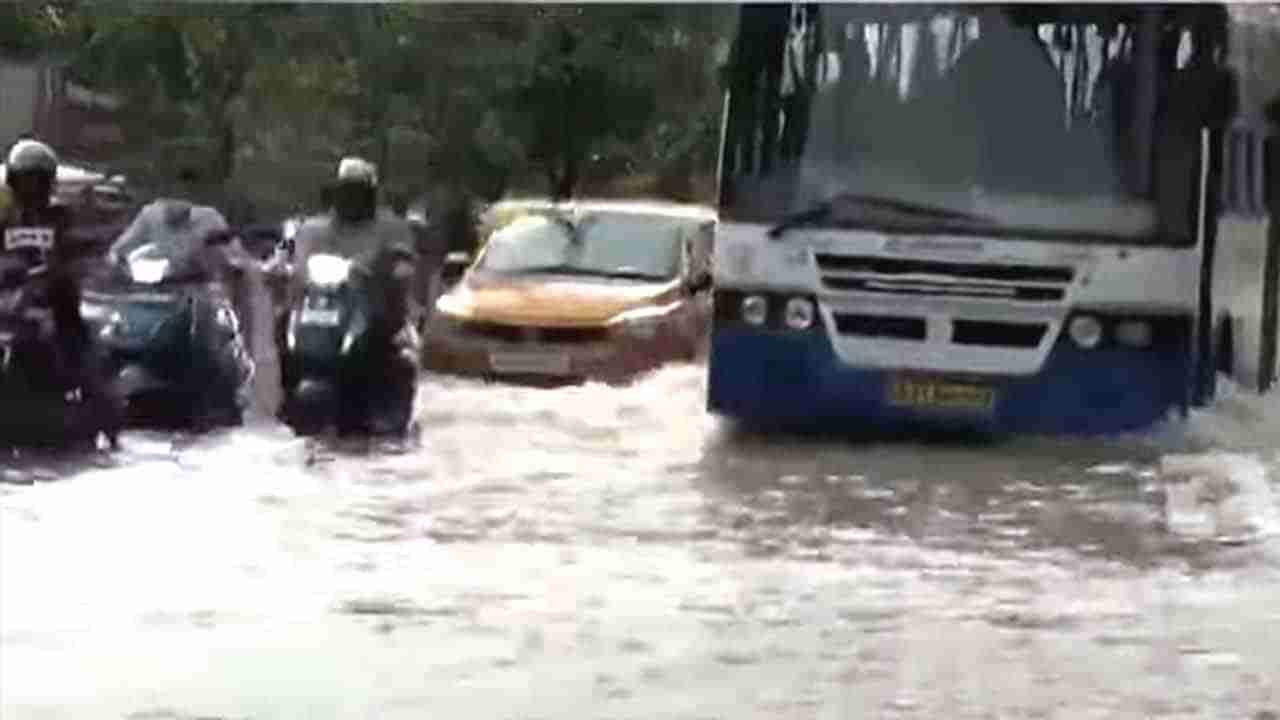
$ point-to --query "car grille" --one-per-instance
(534, 334)
(931, 278)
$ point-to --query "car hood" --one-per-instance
(552, 302)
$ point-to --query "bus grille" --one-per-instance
(881, 326)
(899, 276)
(984, 333)
(998, 334)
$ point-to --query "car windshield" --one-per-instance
(1033, 122)
(623, 245)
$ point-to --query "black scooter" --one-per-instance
(173, 340)
(336, 361)
(42, 399)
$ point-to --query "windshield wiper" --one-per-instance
(824, 210)
(561, 269)
(629, 275)
(566, 269)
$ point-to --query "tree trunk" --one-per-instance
(569, 178)
(224, 160)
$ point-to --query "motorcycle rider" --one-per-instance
(176, 220)
(200, 236)
(31, 170)
(375, 240)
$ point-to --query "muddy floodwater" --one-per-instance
(609, 553)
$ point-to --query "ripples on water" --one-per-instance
(620, 548)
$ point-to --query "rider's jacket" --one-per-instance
(375, 244)
(31, 238)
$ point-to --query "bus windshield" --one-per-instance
(1021, 121)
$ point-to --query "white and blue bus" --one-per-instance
(1028, 218)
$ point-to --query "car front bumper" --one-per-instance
(611, 356)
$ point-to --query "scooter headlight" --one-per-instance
(327, 270)
(1134, 333)
(755, 309)
(1086, 331)
(799, 314)
(148, 271)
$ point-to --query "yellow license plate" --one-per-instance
(934, 394)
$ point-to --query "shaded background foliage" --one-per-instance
(452, 101)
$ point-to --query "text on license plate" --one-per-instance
(17, 238)
(940, 394)
(533, 362)
(322, 317)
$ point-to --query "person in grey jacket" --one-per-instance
(374, 238)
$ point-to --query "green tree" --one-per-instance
(192, 60)
(584, 82)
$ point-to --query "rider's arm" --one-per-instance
(398, 254)
(131, 238)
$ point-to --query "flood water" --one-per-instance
(595, 552)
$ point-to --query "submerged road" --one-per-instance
(615, 553)
(595, 552)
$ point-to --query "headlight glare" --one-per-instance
(799, 313)
(1134, 333)
(1086, 331)
(755, 309)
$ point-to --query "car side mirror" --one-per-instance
(455, 264)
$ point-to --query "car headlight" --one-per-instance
(1134, 333)
(799, 314)
(1086, 331)
(643, 323)
(755, 309)
(642, 328)
(148, 271)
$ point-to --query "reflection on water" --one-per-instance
(546, 553)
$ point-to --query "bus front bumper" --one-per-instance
(774, 378)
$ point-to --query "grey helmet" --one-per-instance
(30, 171)
(355, 190)
(31, 156)
(357, 170)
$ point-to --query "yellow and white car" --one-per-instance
(576, 291)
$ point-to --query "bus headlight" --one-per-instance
(1086, 331)
(1134, 333)
(799, 313)
(755, 309)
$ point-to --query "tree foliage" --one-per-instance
(476, 99)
